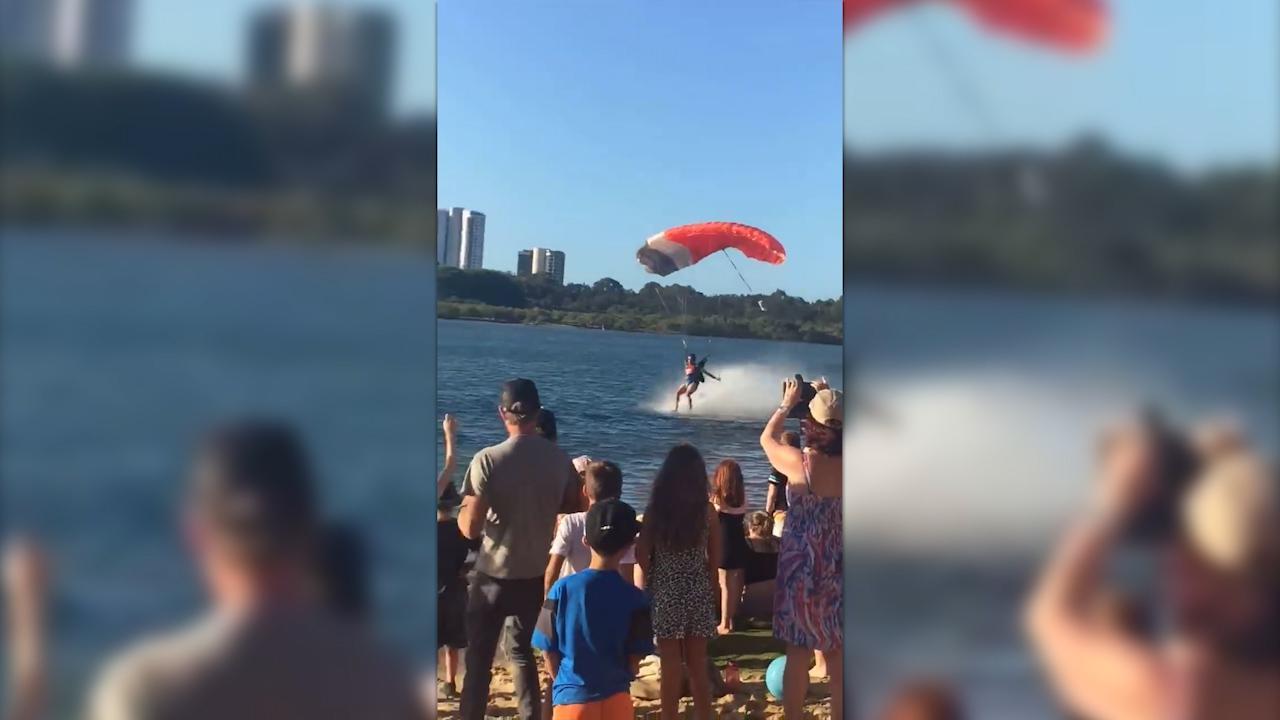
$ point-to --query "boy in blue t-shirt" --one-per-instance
(595, 626)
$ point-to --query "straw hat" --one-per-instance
(1230, 513)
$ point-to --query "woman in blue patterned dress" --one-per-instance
(809, 601)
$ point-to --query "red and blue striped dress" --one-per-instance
(808, 605)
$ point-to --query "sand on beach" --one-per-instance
(750, 649)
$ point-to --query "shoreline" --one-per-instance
(637, 324)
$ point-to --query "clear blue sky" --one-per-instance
(207, 38)
(1196, 82)
(588, 126)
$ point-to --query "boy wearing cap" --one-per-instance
(595, 626)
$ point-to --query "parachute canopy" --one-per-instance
(1076, 25)
(680, 247)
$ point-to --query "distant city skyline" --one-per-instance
(208, 40)
(344, 50)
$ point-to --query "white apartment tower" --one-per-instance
(460, 238)
(68, 33)
(318, 46)
(471, 252)
(547, 262)
(442, 234)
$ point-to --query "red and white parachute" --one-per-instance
(680, 247)
(1072, 25)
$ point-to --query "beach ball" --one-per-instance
(773, 677)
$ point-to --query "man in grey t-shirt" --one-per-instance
(511, 496)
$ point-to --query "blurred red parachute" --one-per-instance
(1074, 25)
(680, 247)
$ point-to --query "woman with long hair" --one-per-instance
(729, 497)
(809, 600)
(679, 552)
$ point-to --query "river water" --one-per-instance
(116, 352)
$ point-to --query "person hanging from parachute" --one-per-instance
(695, 373)
(680, 247)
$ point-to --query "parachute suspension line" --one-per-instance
(965, 87)
(735, 269)
(968, 90)
(658, 289)
(684, 323)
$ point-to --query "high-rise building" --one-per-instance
(545, 262)
(312, 46)
(524, 263)
(460, 238)
(555, 265)
(68, 33)
(471, 250)
(442, 234)
(453, 239)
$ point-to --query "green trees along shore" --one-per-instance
(122, 151)
(606, 304)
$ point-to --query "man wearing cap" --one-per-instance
(512, 493)
(267, 649)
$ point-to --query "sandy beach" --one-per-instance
(751, 649)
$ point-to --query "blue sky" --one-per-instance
(588, 126)
(1191, 81)
(748, 87)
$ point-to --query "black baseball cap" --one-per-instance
(520, 398)
(611, 526)
(253, 485)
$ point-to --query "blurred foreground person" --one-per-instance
(25, 591)
(268, 648)
(924, 700)
(1219, 658)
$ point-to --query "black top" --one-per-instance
(451, 553)
(779, 481)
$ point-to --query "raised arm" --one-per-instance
(445, 479)
(787, 460)
(1098, 670)
(25, 587)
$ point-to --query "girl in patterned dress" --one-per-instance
(679, 552)
(809, 601)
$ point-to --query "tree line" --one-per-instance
(130, 148)
(1086, 219)
(606, 303)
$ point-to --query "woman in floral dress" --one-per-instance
(809, 601)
